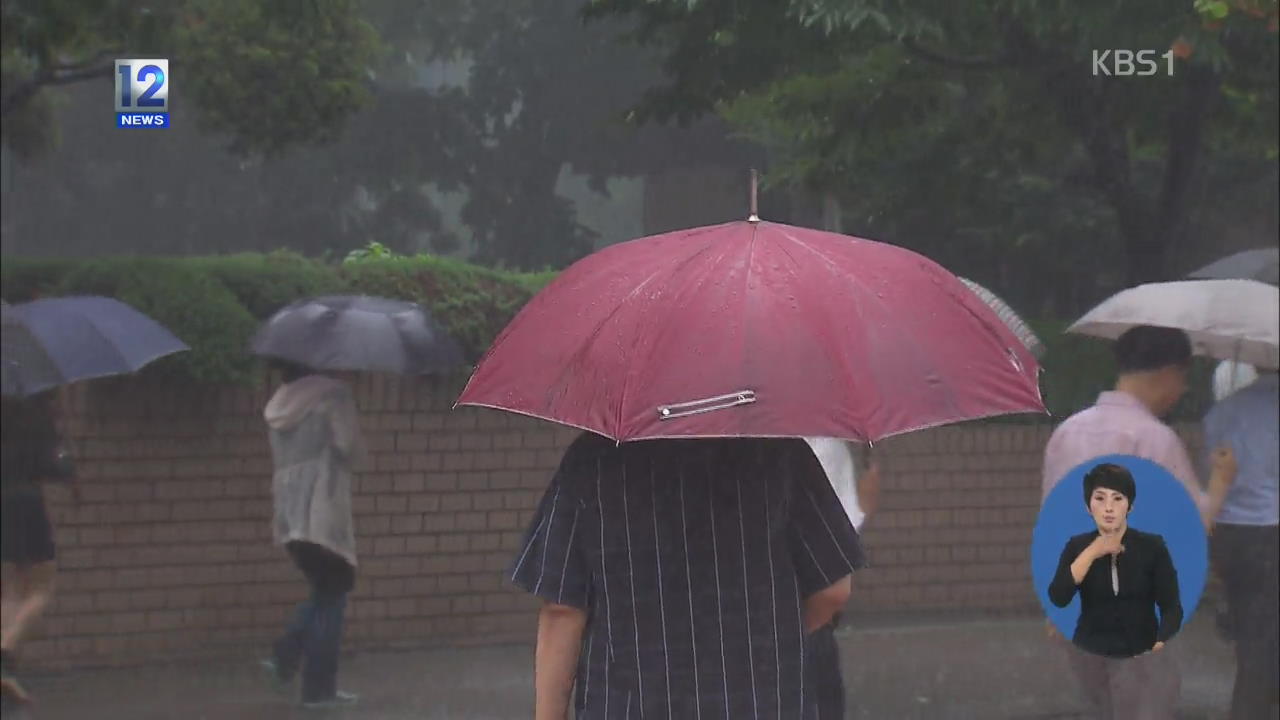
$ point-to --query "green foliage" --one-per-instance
(276, 74)
(475, 303)
(269, 75)
(193, 304)
(30, 279)
(215, 303)
(265, 283)
(989, 115)
(371, 251)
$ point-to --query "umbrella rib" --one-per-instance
(629, 376)
(855, 281)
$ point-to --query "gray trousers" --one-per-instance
(1145, 687)
(1245, 557)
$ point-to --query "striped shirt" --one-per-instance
(692, 559)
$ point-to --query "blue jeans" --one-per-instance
(313, 640)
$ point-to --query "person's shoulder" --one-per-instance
(1156, 426)
(1080, 418)
(589, 443)
(585, 450)
(1146, 538)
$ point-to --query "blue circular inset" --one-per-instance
(1162, 507)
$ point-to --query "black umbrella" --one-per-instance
(56, 341)
(345, 332)
(1262, 264)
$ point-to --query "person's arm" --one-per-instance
(821, 607)
(1073, 565)
(1167, 595)
(560, 629)
(552, 565)
(825, 548)
(1173, 456)
(1222, 475)
(868, 490)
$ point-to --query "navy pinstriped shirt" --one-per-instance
(692, 559)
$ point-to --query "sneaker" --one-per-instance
(340, 699)
(278, 680)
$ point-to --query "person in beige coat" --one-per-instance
(315, 442)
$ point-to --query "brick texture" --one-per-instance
(168, 554)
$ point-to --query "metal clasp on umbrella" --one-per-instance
(719, 402)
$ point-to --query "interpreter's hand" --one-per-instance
(1108, 544)
(1051, 630)
(1224, 465)
(1157, 647)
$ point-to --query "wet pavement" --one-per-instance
(896, 669)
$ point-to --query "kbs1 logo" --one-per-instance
(1127, 63)
(142, 94)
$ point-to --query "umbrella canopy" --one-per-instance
(752, 329)
(1016, 325)
(1226, 319)
(349, 332)
(56, 341)
(1262, 264)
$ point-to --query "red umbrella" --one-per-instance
(756, 329)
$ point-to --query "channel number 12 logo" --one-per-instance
(142, 93)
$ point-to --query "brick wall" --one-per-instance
(168, 553)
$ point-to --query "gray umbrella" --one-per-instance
(1261, 264)
(346, 332)
(1016, 325)
(57, 341)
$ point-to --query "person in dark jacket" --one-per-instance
(31, 452)
(684, 579)
(1122, 576)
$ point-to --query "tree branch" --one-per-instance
(1000, 60)
(1186, 139)
(56, 75)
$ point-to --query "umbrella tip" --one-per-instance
(754, 217)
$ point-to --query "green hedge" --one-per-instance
(215, 303)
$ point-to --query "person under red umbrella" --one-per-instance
(690, 543)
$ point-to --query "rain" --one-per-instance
(380, 359)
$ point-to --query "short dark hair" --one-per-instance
(290, 371)
(1147, 347)
(1112, 477)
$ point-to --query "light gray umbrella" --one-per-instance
(1225, 319)
(1016, 325)
(1262, 264)
(348, 332)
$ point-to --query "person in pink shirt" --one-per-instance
(1152, 363)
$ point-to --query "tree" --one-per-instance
(483, 104)
(248, 67)
(988, 112)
